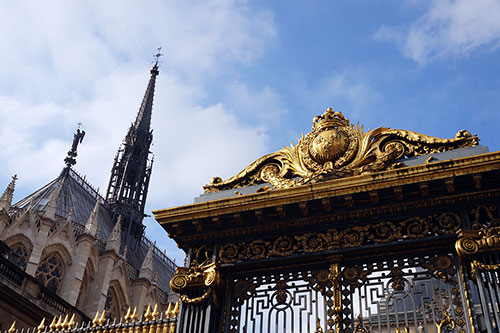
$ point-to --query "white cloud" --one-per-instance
(261, 106)
(448, 29)
(350, 90)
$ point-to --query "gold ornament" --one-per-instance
(335, 148)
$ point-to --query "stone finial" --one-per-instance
(115, 238)
(92, 222)
(6, 198)
(50, 210)
(147, 265)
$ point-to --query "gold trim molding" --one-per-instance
(334, 239)
(335, 148)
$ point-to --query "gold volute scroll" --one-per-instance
(202, 274)
(471, 242)
(335, 148)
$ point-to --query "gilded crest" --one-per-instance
(336, 148)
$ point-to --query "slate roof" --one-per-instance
(81, 197)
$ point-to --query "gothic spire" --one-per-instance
(92, 222)
(143, 119)
(129, 181)
(146, 270)
(114, 239)
(50, 209)
(6, 198)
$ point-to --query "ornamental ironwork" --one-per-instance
(333, 239)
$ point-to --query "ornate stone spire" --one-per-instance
(6, 199)
(146, 271)
(92, 222)
(129, 181)
(114, 239)
(51, 207)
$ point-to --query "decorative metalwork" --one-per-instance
(472, 242)
(333, 239)
(335, 278)
(484, 216)
(335, 148)
(201, 274)
(402, 294)
(281, 302)
(153, 321)
(481, 248)
(445, 321)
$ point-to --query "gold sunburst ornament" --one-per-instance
(336, 148)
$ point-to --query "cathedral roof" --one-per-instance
(75, 194)
(80, 197)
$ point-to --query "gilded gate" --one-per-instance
(347, 231)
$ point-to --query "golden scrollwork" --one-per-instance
(472, 242)
(447, 320)
(335, 148)
(476, 264)
(483, 216)
(333, 239)
(203, 276)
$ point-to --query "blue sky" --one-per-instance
(240, 79)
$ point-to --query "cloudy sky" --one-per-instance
(239, 79)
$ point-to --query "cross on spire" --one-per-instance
(157, 56)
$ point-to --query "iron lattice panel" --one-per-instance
(409, 294)
(281, 302)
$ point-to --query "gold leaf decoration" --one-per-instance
(334, 149)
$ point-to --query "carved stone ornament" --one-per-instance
(334, 149)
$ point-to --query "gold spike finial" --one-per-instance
(176, 309)
(59, 323)
(169, 310)
(102, 320)
(52, 325)
(127, 315)
(65, 322)
(134, 314)
(147, 314)
(41, 327)
(72, 322)
(155, 313)
(96, 319)
(12, 328)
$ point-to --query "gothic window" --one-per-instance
(50, 272)
(22, 255)
(111, 306)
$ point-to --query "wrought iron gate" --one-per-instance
(399, 294)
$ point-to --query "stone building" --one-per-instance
(77, 251)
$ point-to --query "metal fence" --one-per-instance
(152, 321)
